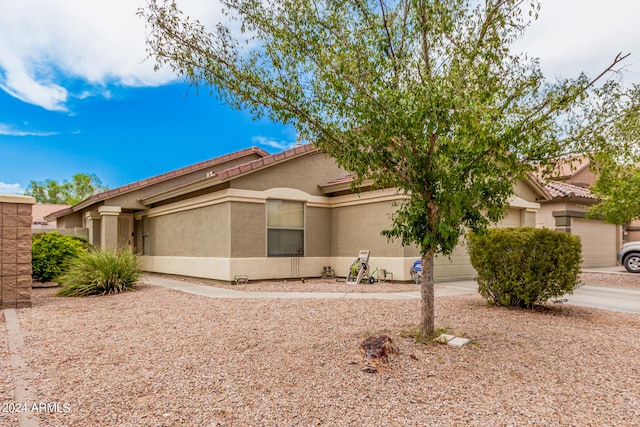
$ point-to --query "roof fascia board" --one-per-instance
(344, 186)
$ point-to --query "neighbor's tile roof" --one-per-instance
(559, 189)
(41, 210)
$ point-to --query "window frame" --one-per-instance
(286, 228)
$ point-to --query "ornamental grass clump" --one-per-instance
(525, 267)
(100, 272)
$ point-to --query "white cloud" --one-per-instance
(8, 130)
(11, 188)
(273, 143)
(46, 43)
(571, 36)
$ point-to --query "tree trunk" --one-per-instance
(427, 295)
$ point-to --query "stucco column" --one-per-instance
(109, 226)
(15, 251)
(92, 223)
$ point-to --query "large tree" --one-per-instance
(71, 192)
(422, 95)
(618, 170)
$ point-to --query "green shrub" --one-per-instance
(524, 267)
(50, 253)
(100, 272)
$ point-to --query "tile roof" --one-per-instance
(559, 189)
(178, 172)
(162, 177)
(41, 210)
(265, 161)
(224, 175)
(233, 172)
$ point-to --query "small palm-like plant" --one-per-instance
(100, 272)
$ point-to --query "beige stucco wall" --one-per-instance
(583, 178)
(248, 229)
(70, 221)
(200, 232)
(304, 173)
(524, 191)
(359, 226)
(600, 241)
(317, 232)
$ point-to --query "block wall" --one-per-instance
(15, 251)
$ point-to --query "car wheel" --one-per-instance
(632, 263)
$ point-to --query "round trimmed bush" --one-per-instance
(525, 267)
(50, 253)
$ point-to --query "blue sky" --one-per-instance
(77, 96)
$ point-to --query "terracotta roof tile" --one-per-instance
(40, 211)
(178, 172)
(559, 189)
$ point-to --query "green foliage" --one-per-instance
(68, 193)
(617, 167)
(415, 333)
(427, 97)
(101, 272)
(51, 252)
(525, 267)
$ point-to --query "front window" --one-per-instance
(285, 228)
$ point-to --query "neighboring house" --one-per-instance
(566, 212)
(578, 173)
(39, 212)
(575, 172)
(567, 208)
(265, 216)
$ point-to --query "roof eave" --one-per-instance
(232, 173)
(344, 186)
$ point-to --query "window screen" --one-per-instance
(285, 228)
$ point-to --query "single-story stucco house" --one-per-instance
(265, 216)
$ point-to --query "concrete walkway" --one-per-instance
(606, 297)
(22, 374)
(453, 288)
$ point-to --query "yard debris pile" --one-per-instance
(376, 350)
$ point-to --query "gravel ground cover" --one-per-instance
(159, 357)
(7, 417)
(627, 280)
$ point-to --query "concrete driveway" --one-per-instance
(606, 297)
